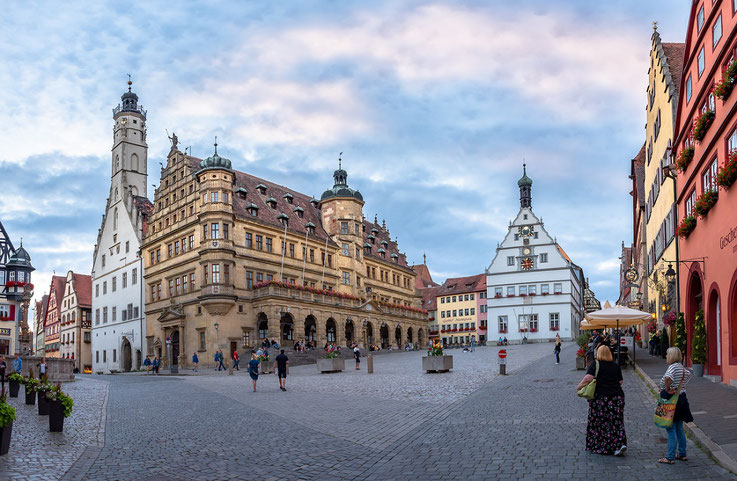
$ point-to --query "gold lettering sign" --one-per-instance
(4, 332)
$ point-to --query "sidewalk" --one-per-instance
(714, 408)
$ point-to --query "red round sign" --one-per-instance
(502, 353)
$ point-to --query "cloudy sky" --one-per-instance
(434, 104)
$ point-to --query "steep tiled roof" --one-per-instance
(145, 207)
(58, 284)
(563, 253)
(382, 240)
(462, 285)
(429, 298)
(83, 288)
(639, 168)
(423, 279)
(674, 53)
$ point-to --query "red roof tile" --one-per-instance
(423, 279)
(83, 289)
(58, 283)
(675, 52)
(462, 285)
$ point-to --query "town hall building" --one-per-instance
(534, 290)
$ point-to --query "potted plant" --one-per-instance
(702, 124)
(331, 362)
(60, 407)
(7, 416)
(265, 364)
(42, 388)
(706, 202)
(684, 158)
(30, 384)
(436, 361)
(14, 382)
(728, 174)
(583, 342)
(687, 225)
(698, 348)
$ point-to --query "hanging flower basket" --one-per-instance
(670, 318)
(684, 158)
(687, 225)
(706, 202)
(702, 124)
(728, 174)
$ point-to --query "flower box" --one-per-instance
(684, 158)
(336, 364)
(437, 363)
(266, 367)
(523, 295)
(523, 330)
(724, 87)
(555, 328)
(702, 124)
(544, 293)
(502, 331)
(728, 174)
(510, 295)
(532, 294)
(534, 329)
(497, 296)
(706, 202)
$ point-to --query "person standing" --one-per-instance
(557, 348)
(605, 432)
(41, 368)
(281, 369)
(253, 370)
(147, 365)
(473, 343)
(236, 360)
(674, 376)
(357, 355)
(217, 358)
(3, 367)
(17, 364)
(195, 361)
(156, 365)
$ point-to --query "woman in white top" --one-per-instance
(673, 377)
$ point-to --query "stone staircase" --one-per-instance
(310, 357)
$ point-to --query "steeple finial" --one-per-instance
(655, 26)
(376, 219)
(130, 82)
(424, 258)
(340, 161)
(216, 145)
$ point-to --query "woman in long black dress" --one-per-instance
(605, 428)
(253, 369)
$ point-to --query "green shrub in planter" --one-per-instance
(7, 412)
(698, 347)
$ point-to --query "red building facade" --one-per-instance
(705, 149)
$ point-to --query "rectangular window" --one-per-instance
(482, 308)
(213, 196)
(716, 31)
(170, 248)
(216, 273)
(700, 62)
(454, 298)
(690, 202)
(532, 290)
(503, 324)
(202, 341)
(153, 293)
(455, 312)
(171, 288)
(97, 317)
(259, 277)
(114, 314)
(191, 241)
(115, 355)
(700, 18)
(176, 248)
(269, 244)
(185, 284)
(510, 260)
(498, 292)
(544, 257)
(347, 278)
(103, 260)
(557, 288)
(97, 286)
(554, 321)
(344, 227)
(104, 288)
(442, 300)
(472, 296)
(358, 253)
(179, 285)
(689, 89)
(249, 279)
(522, 290)
(510, 291)
(345, 251)
(545, 289)
(249, 240)
(134, 277)
(97, 356)
(442, 314)
(125, 280)
(312, 256)
(225, 231)
(104, 355)
(269, 277)
(467, 312)
(191, 280)
(709, 179)
(215, 230)
(104, 315)
(465, 298)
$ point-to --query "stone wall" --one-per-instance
(57, 370)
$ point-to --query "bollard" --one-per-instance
(503, 369)
(370, 363)
(230, 370)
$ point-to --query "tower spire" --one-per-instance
(340, 161)
(216, 145)
(525, 188)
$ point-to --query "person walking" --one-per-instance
(217, 358)
(17, 364)
(253, 369)
(557, 348)
(156, 365)
(3, 368)
(236, 360)
(605, 432)
(195, 361)
(220, 360)
(357, 355)
(147, 365)
(281, 369)
(676, 375)
(473, 343)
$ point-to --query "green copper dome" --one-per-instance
(216, 162)
(524, 181)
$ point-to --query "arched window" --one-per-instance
(116, 193)
(115, 219)
(117, 163)
(134, 162)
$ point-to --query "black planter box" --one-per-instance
(43, 404)
(5, 438)
(31, 398)
(56, 416)
(14, 388)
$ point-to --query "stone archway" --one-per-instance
(694, 302)
(126, 357)
(350, 332)
(398, 336)
(713, 335)
(409, 335)
(331, 331)
(286, 327)
(263, 325)
(384, 335)
(421, 338)
(368, 334)
(310, 333)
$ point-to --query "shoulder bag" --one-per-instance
(666, 408)
(588, 391)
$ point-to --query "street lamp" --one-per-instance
(670, 274)
(217, 337)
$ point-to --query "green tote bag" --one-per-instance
(587, 392)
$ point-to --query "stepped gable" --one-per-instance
(423, 279)
(145, 207)
(674, 53)
(463, 285)
(391, 247)
(267, 215)
(83, 289)
(58, 285)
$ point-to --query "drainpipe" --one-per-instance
(140, 303)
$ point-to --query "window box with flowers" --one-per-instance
(502, 331)
(684, 158)
(705, 203)
(728, 174)
(497, 296)
(510, 295)
(725, 86)
(523, 329)
(702, 124)
(554, 328)
(533, 329)
(687, 225)
(532, 294)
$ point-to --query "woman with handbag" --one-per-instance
(605, 428)
(672, 384)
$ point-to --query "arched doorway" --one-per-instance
(409, 335)
(157, 349)
(126, 360)
(349, 332)
(311, 329)
(421, 338)
(368, 334)
(286, 326)
(330, 330)
(138, 359)
(384, 334)
(175, 348)
(694, 302)
(398, 336)
(263, 326)
(713, 336)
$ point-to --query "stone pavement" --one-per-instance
(714, 406)
(394, 424)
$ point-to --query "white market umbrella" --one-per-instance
(617, 316)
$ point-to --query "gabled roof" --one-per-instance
(58, 284)
(430, 298)
(463, 285)
(423, 279)
(563, 253)
(83, 289)
(674, 53)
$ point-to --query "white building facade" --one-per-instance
(117, 272)
(534, 290)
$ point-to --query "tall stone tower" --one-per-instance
(117, 269)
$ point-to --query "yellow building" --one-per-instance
(461, 310)
(664, 78)
(231, 260)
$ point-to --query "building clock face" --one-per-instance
(527, 251)
(525, 231)
(526, 263)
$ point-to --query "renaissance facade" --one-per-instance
(232, 259)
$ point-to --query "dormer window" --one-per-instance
(310, 227)
(252, 209)
(384, 243)
(284, 218)
(289, 197)
(271, 202)
(395, 257)
(241, 192)
(371, 238)
(382, 252)
(300, 212)
(261, 188)
(367, 248)
(314, 202)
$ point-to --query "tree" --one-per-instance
(698, 346)
(664, 342)
(680, 340)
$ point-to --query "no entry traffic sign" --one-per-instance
(502, 353)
